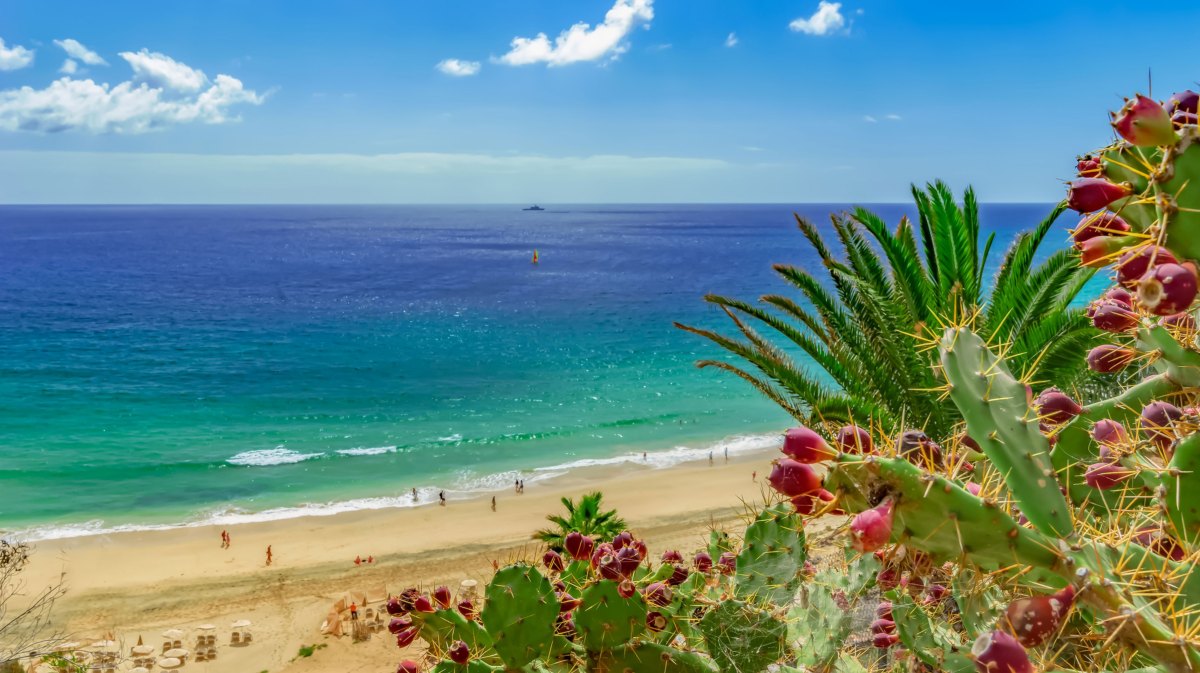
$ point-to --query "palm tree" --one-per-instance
(868, 332)
(586, 518)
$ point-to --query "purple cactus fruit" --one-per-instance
(672, 556)
(622, 540)
(628, 560)
(1120, 295)
(1089, 167)
(1187, 101)
(885, 640)
(640, 546)
(398, 624)
(793, 478)
(406, 637)
(809, 570)
(658, 593)
(1181, 119)
(806, 446)
(973, 488)
(1108, 432)
(1168, 288)
(408, 599)
(1135, 263)
(565, 626)
(1144, 122)
(888, 579)
(553, 561)
(936, 593)
(727, 564)
(884, 610)
(1168, 547)
(1104, 476)
(999, 652)
(1034, 619)
(915, 445)
(655, 621)
(441, 596)
(1099, 224)
(408, 666)
(1179, 321)
(579, 546)
(567, 602)
(394, 607)
(1158, 421)
(1109, 358)
(603, 549)
(853, 439)
(702, 561)
(609, 567)
(1086, 195)
(808, 503)
(679, 575)
(1056, 406)
(626, 589)
(883, 626)
(423, 604)
(1113, 317)
(466, 608)
(459, 653)
(872, 528)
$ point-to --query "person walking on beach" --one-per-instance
(414, 492)
(516, 485)
(754, 476)
(710, 458)
(493, 503)
(727, 454)
(442, 498)
(268, 554)
(353, 611)
(224, 540)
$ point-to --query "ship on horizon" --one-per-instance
(534, 207)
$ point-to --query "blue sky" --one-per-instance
(273, 101)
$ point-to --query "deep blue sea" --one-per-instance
(168, 365)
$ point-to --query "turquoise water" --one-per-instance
(166, 365)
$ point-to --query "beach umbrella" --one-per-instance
(142, 649)
(172, 634)
(104, 644)
(139, 669)
(175, 653)
(169, 662)
(207, 627)
(241, 623)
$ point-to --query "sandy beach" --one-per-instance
(139, 584)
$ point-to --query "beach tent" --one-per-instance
(376, 594)
(332, 625)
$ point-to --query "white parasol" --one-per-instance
(172, 634)
(169, 662)
(241, 623)
(175, 653)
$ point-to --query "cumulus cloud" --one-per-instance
(77, 51)
(162, 93)
(160, 70)
(457, 68)
(69, 67)
(582, 42)
(14, 57)
(732, 40)
(826, 20)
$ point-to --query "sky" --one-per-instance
(546, 101)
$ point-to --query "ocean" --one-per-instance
(180, 365)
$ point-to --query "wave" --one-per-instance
(465, 484)
(367, 451)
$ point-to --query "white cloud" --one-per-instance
(893, 117)
(162, 93)
(870, 119)
(79, 52)
(826, 20)
(732, 40)
(457, 68)
(14, 57)
(160, 70)
(582, 42)
(69, 67)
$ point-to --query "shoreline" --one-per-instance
(136, 584)
(227, 515)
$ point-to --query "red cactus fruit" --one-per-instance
(1108, 432)
(655, 621)
(702, 561)
(853, 439)
(1056, 406)
(1104, 476)
(884, 610)
(999, 652)
(973, 488)
(936, 593)
(679, 575)
(809, 570)
(871, 529)
(1179, 321)
(553, 561)
(727, 563)
(1158, 421)
(441, 596)
(1089, 167)
(567, 602)
(408, 666)
(1181, 119)
(672, 556)
(579, 546)
(408, 599)
(640, 546)
(658, 593)
(808, 503)
(622, 540)
(1144, 122)
(626, 589)
(603, 549)
(1166, 546)
(1034, 619)
(1168, 288)
(466, 608)
(406, 637)
(883, 626)
(888, 579)
(608, 566)
(628, 560)
(793, 478)
(398, 624)
(1109, 358)
(1085, 195)
(1184, 101)
(565, 626)
(1098, 252)
(1135, 263)
(1113, 317)
(423, 604)
(459, 653)
(1099, 224)
(1120, 295)
(806, 446)
(395, 607)
(885, 640)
